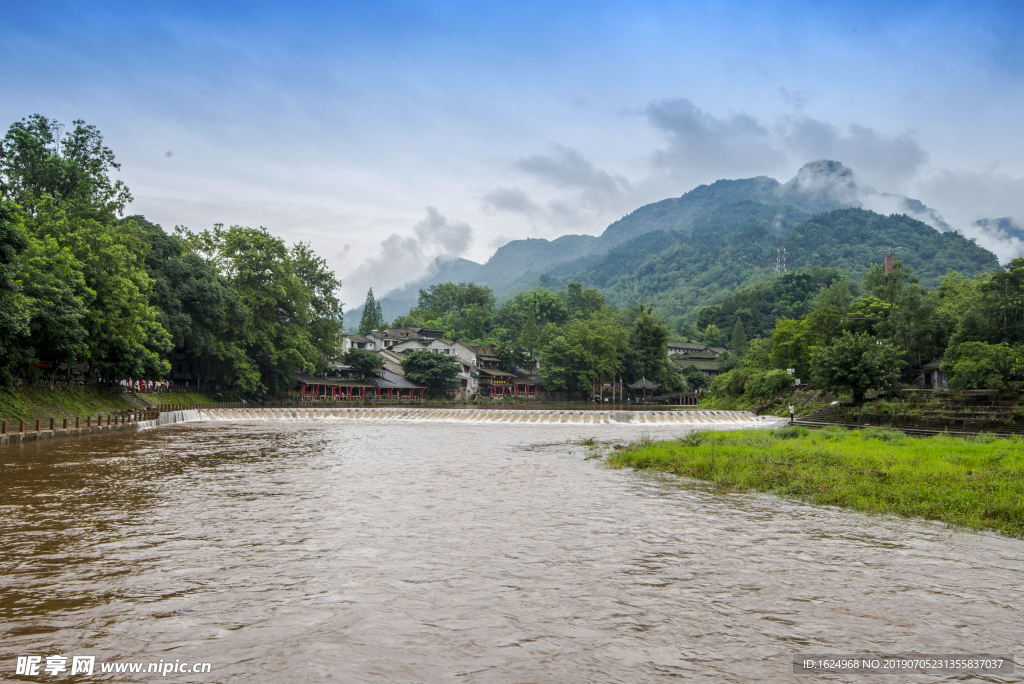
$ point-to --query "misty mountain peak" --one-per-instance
(823, 182)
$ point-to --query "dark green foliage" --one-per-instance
(440, 300)
(200, 312)
(712, 336)
(648, 341)
(464, 311)
(758, 306)
(581, 303)
(14, 315)
(372, 318)
(529, 338)
(739, 338)
(513, 357)
(681, 270)
(36, 160)
(293, 318)
(437, 371)
(695, 379)
(979, 365)
(1006, 300)
(850, 239)
(363, 360)
(58, 302)
(856, 363)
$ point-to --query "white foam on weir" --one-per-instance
(546, 416)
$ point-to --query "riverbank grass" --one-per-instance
(975, 482)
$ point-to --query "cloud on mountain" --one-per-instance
(510, 199)
(705, 144)
(403, 258)
(888, 161)
(567, 169)
(585, 192)
(740, 144)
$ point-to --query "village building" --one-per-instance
(686, 354)
(340, 383)
(932, 377)
(350, 342)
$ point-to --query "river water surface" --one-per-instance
(380, 551)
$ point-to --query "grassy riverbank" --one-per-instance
(41, 402)
(974, 482)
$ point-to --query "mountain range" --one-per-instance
(684, 253)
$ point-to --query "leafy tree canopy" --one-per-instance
(438, 372)
(856, 363)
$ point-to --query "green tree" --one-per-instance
(124, 336)
(438, 372)
(73, 169)
(14, 312)
(696, 378)
(962, 309)
(529, 338)
(892, 288)
(980, 365)
(372, 319)
(363, 360)
(581, 303)
(649, 340)
(556, 361)
(547, 307)
(1005, 292)
(58, 302)
(323, 314)
(791, 346)
(712, 336)
(824, 323)
(512, 357)
(739, 338)
(194, 303)
(856, 363)
(443, 298)
(758, 354)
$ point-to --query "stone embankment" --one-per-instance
(21, 432)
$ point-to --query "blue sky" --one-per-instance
(387, 134)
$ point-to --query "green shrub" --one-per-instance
(833, 432)
(791, 431)
(884, 434)
(695, 438)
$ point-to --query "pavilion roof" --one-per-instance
(643, 384)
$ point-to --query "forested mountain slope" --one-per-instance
(686, 252)
(737, 245)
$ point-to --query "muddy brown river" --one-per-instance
(382, 551)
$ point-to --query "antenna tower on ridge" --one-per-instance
(889, 258)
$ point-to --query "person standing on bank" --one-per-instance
(792, 412)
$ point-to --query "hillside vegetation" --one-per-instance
(686, 253)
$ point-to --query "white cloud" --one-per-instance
(403, 258)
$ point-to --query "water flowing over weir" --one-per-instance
(470, 415)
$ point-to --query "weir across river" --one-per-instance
(470, 415)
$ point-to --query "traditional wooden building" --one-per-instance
(643, 386)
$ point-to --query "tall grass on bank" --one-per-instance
(976, 482)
